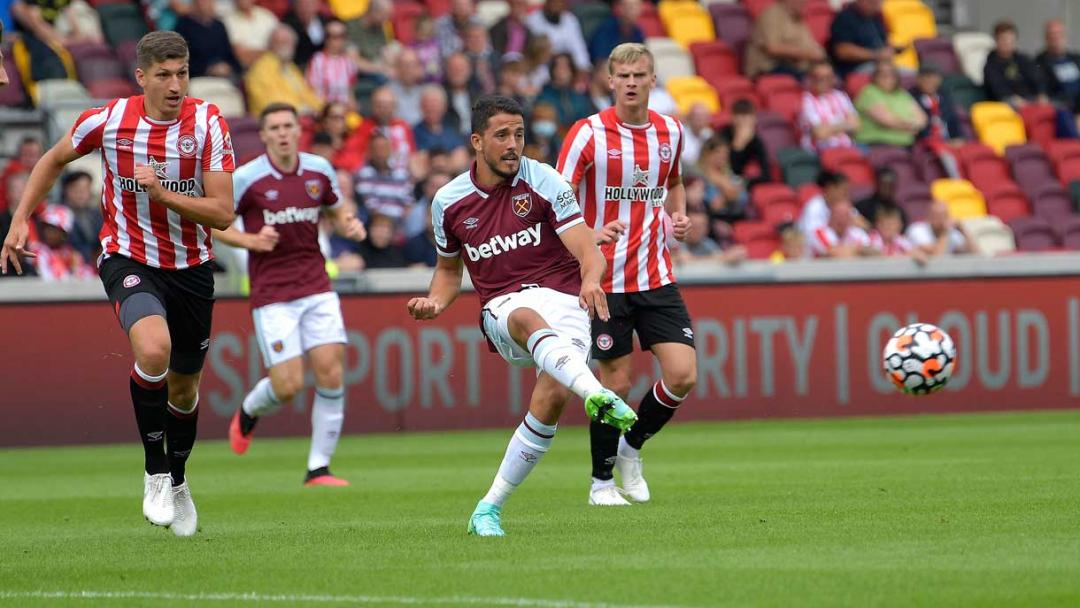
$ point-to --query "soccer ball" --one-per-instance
(919, 359)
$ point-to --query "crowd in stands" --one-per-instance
(811, 129)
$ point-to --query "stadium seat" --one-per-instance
(734, 88)
(1051, 202)
(1040, 122)
(1007, 202)
(686, 21)
(851, 162)
(491, 11)
(756, 7)
(939, 53)
(960, 195)
(13, 95)
(990, 235)
(759, 238)
(672, 60)
(807, 191)
(111, 89)
(590, 15)
(997, 125)
(60, 92)
(1069, 233)
(972, 49)
(1059, 150)
(963, 91)
(798, 166)
(93, 69)
(916, 200)
(907, 21)
(854, 84)
(403, 20)
(649, 21)
(87, 50)
(928, 163)
(279, 7)
(776, 132)
(715, 61)
(764, 195)
(819, 16)
(438, 8)
(1033, 234)
(781, 94)
(223, 93)
(690, 90)
(987, 172)
(733, 25)
(896, 158)
(122, 23)
(1030, 167)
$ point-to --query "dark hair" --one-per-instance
(322, 139)
(29, 139)
(490, 105)
(887, 211)
(885, 172)
(156, 47)
(1004, 26)
(828, 179)
(743, 106)
(274, 108)
(72, 177)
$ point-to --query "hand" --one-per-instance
(265, 240)
(423, 309)
(352, 228)
(15, 246)
(146, 178)
(680, 225)
(594, 300)
(610, 232)
(885, 53)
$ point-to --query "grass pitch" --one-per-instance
(977, 510)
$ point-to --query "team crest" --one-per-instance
(665, 152)
(522, 204)
(604, 342)
(186, 145)
(131, 281)
(313, 188)
(278, 346)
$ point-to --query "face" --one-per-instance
(476, 39)
(381, 231)
(744, 121)
(410, 70)
(16, 186)
(886, 78)
(283, 44)
(433, 107)
(165, 84)
(698, 118)
(886, 186)
(204, 8)
(458, 71)
(379, 151)
(30, 153)
(53, 236)
(929, 83)
(938, 216)
(77, 194)
(245, 5)
(869, 7)
(462, 9)
(334, 122)
(1056, 37)
(433, 183)
(792, 244)
(719, 157)
(501, 144)
(822, 79)
(554, 7)
(281, 134)
(630, 10)
(1006, 42)
(306, 10)
(383, 105)
(335, 38)
(836, 193)
(562, 73)
(632, 81)
(889, 226)
(840, 217)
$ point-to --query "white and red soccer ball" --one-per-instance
(919, 359)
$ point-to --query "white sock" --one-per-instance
(261, 400)
(327, 416)
(560, 360)
(530, 442)
(628, 451)
(601, 483)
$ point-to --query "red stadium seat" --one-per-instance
(1069, 233)
(1030, 168)
(896, 158)
(819, 16)
(1007, 203)
(93, 69)
(759, 238)
(278, 7)
(928, 163)
(780, 212)
(756, 7)
(763, 196)
(403, 20)
(850, 162)
(733, 24)
(985, 173)
(715, 61)
(1040, 123)
(733, 88)
(781, 94)
(776, 132)
(438, 8)
(1033, 234)
(972, 151)
(1060, 149)
(1051, 202)
(650, 23)
(915, 200)
(111, 89)
(855, 83)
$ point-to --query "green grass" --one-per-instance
(978, 510)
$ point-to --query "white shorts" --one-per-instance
(561, 312)
(287, 330)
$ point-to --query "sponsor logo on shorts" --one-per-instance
(604, 342)
(155, 436)
(186, 145)
(131, 281)
(277, 346)
(522, 204)
(205, 344)
(689, 333)
(527, 456)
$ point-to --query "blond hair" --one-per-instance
(629, 52)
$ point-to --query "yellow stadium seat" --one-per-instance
(687, 22)
(907, 21)
(689, 90)
(963, 199)
(997, 125)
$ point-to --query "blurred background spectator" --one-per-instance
(887, 113)
(827, 117)
(781, 42)
(276, 77)
(939, 234)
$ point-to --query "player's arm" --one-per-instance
(214, 209)
(42, 178)
(445, 288)
(262, 241)
(581, 243)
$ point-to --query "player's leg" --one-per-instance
(531, 440)
(612, 345)
(322, 336)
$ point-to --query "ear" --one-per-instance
(140, 77)
(477, 143)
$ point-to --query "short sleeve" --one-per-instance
(577, 152)
(332, 196)
(561, 205)
(88, 130)
(218, 148)
(447, 244)
(675, 175)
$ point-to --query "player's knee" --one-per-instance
(329, 376)
(183, 396)
(618, 381)
(547, 404)
(286, 387)
(681, 381)
(153, 356)
(522, 322)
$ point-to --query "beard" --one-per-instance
(494, 166)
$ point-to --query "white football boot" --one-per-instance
(157, 504)
(633, 482)
(607, 496)
(187, 519)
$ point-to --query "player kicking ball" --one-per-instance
(515, 224)
(279, 198)
(168, 165)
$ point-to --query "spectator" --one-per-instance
(840, 238)
(939, 234)
(543, 142)
(942, 122)
(792, 244)
(332, 71)
(1010, 75)
(384, 120)
(511, 34)
(781, 42)
(56, 259)
(459, 91)
(3, 70)
(79, 22)
(562, 28)
(276, 77)
(426, 47)
(537, 58)
(408, 80)
(884, 196)
(339, 250)
(600, 89)
(888, 235)
(307, 23)
(210, 52)
(481, 57)
(827, 118)
(1060, 67)
(749, 158)
(368, 36)
(15, 185)
(620, 27)
(378, 249)
(699, 247)
(86, 214)
(415, 221)
(419, 249)
(249, 26)
(450, 28)
(322, 145)
(815, 212)
(887, 113)
(436, 130)
(164, 14)
(37, 21)
(27, 155)
(560, 93)
(857, 38)
(512, 80)
(726, 197)
(380, 188)
(696, 131)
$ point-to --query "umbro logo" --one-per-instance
(271, 195)
(471, 223)
(689, 333)
(614, 153)
(528, 456)
(124, 144)
(155, 436)
(181, 453)
(205, 344)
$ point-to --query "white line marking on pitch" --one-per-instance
(316, 599)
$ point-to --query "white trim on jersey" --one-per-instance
(458, 189)
(110, 156)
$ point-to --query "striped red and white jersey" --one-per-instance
(332, 76)
(624, 172)
(825, 239)
(180, 151)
